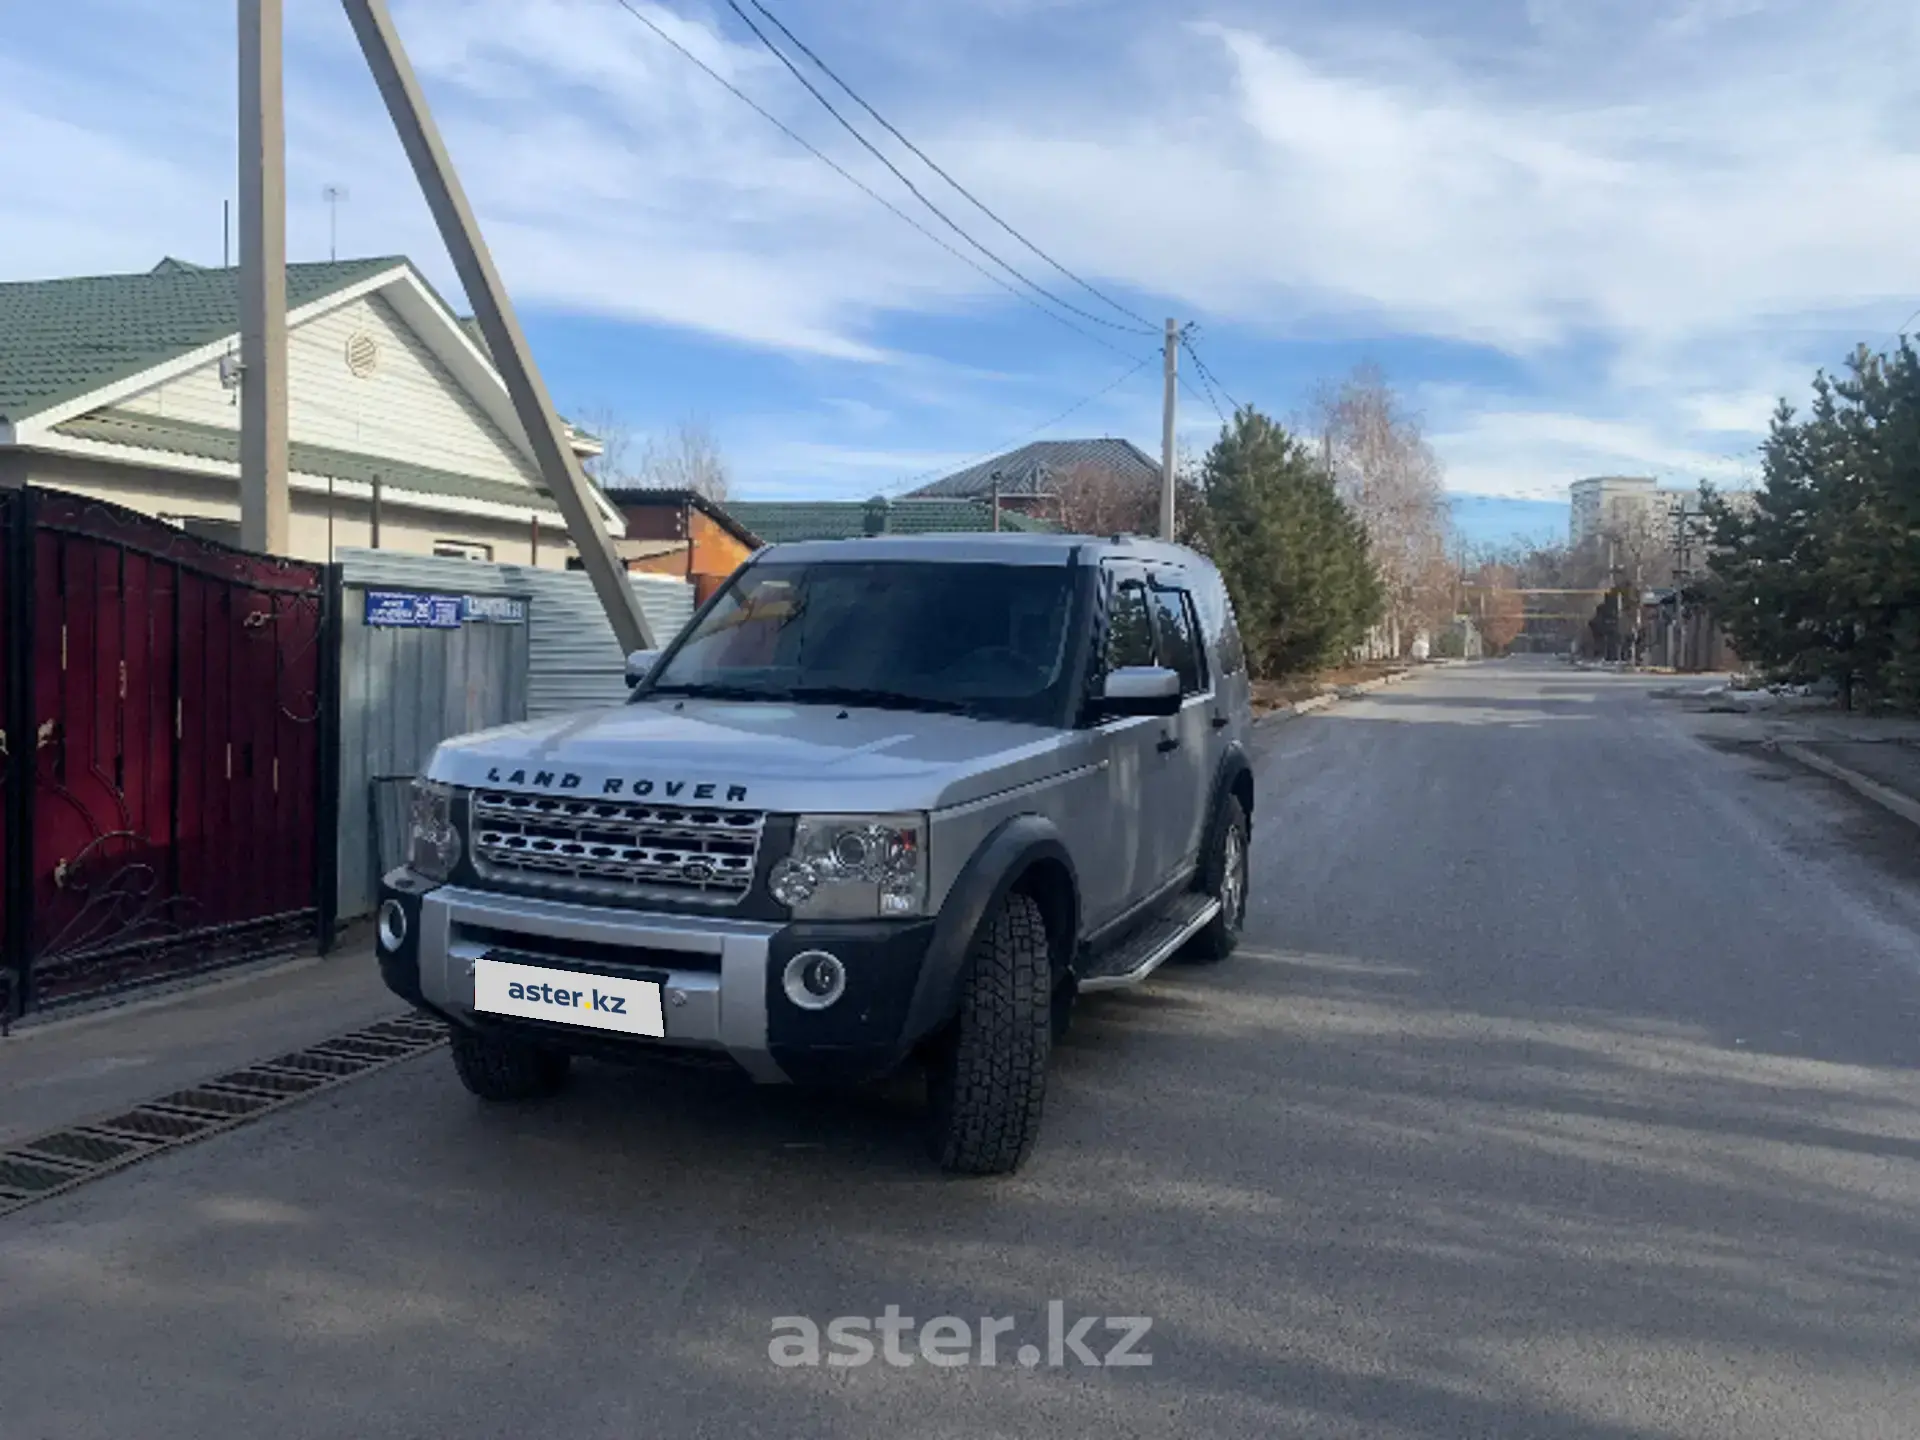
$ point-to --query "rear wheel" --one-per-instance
(1224, 877)
(988, 1080)
(496, 1067)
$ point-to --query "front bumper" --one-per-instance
(720, 978)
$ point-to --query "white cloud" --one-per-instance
(1533, 454)
(1700, 201)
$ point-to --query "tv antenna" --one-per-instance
(333, 195)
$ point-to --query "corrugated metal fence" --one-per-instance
(404, 690)
(574, 660)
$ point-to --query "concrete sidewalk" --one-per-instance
(1877, 756)
(67, 1070)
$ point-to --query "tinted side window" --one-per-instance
(1129, 627)
(1179, 641)
(1233, 653)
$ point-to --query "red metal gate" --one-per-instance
(166, 714)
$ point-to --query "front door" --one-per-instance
(1183, 775)
(1121, 844)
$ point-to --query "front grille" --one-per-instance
(615, 845)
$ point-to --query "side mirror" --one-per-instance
(639, 665)
(1140, 690)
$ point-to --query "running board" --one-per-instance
(1148, 948)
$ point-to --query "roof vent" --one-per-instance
(363, 354)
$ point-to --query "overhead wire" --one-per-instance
(933, 165)
(856, 181)
(917, 193)
(1211, 400)
(1037, 430)
(1206, 374)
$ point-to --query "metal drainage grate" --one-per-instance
(51, 1164)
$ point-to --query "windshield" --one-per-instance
(979, 639)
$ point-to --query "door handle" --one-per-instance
(1168, 742)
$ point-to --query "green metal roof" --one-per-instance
(209, 442)
(781, 521)
(62, 338)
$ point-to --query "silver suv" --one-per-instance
(883, 800)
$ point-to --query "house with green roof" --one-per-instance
(400, 431)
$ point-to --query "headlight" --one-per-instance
(433, 841)
(854, 867)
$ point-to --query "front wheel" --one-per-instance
(495, 1067)
(988, 1078)
(1223, 876)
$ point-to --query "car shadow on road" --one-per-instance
(1351, 1203)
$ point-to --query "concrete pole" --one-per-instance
(263, 282)
(559, 466)
(1166, 429)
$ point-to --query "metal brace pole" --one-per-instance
(559, 467)
(264, 499)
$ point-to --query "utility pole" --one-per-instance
(1166, 429)
(263, 281)
(559, 466)
(996, 502)
(1682, 569)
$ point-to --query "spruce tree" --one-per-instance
(1292, 553)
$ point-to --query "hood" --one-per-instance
(756, 755)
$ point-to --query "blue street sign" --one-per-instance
(411, 610)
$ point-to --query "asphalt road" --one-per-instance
(1566, 1087)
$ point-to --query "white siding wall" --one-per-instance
(410, 408)
(403, 528)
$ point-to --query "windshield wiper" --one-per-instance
(880, 699)
(718, 692)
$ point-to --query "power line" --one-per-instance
(855, 180)
(1206, 374)
(1187, 345)
(915, 190)
(931, 164)
(1037, 430)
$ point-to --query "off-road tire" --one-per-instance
(1227, 847)
(498, 1068)
(987, 1082)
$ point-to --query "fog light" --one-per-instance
(814, 979)
(393, 925)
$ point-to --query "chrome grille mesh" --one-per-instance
(609, 845)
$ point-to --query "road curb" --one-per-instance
(1884, 796)
(1344, 692)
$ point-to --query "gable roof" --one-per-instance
(781, 521)
(1028, 471)
(721, 515)
(60, 339)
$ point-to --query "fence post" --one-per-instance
(327, 803)
(22, 755)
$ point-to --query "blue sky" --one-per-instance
(1580, 238)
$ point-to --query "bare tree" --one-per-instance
(687, 458)
(610, 469)
(1092, 500)
(1390, 477)
(1633, 544)
(1500, 609)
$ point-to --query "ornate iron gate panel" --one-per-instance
(175, 700)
